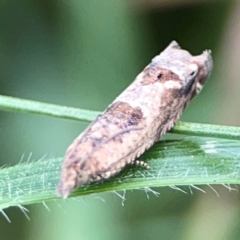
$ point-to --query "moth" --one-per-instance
(136, 119)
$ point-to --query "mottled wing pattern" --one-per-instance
(136, 119)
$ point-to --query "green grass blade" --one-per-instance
(52, 110)
(207, 130)
(196, 129)
(189, 161)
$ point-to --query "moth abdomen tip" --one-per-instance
(63, 190)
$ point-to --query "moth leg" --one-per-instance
(141, 163)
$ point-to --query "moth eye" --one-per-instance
(159, 75)
(193, 69)
(192, 73)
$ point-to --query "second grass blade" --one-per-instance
(188, 161)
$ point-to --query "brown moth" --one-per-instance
(136, 119)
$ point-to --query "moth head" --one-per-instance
(189, 71)
(205, 63)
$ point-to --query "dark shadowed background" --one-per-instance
(83, 54)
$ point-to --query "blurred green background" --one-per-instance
(83, 54)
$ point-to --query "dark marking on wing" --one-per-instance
(127, 115)
(152, 75)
